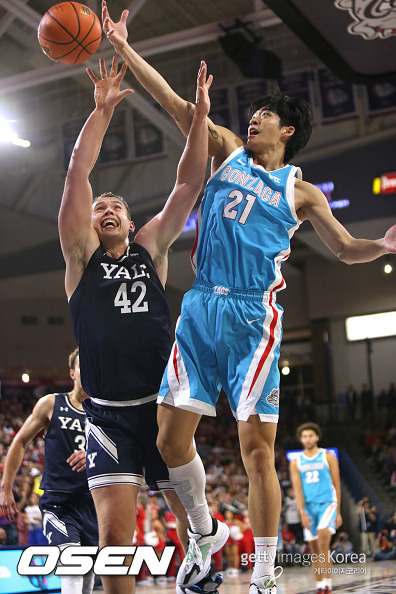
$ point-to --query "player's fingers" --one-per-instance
(209, 82)
(125, 93)
(92, 76)
(114, 66)
(124, 16)
(102, 68)
(122, 71)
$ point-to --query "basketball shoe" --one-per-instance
(265, 584)
(196, 563)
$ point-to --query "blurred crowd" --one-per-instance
(227, 485)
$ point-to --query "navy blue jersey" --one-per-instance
(65, 435)
(121, 322)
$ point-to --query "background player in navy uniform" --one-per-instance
(121, 316)
(66, 505)
(252, 205)
(316, 480)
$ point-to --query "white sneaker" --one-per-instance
(265, 584)
(196, 563)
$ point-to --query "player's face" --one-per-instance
(264, 130)
(110, 219)
(309, 439)
(75, 373)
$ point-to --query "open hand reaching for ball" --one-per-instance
(107, 89)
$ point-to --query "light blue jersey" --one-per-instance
(316, 479)
(244, 226)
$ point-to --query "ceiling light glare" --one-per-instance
(371, 326)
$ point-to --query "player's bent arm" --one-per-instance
(311, 204)
(222, 141)
(37, 420)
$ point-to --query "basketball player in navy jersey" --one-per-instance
(229, 332)
(121, 316)
(316, 480)
(67, 507)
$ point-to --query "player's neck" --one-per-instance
(116, 250)
(271, 159)
(311, 452)
(76, 396)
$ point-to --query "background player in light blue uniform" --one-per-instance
(316, 480)
(230, 325)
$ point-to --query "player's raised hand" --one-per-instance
(202, 97)
(107, 89)
(389, 242)
(116, 33)
(77, 461)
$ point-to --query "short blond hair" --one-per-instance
(120, 198)
(72, 358)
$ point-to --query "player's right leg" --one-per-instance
(187, 475)
(116, 510)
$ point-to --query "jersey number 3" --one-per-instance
(121, 299)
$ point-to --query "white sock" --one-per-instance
(189, 483)
(327, 583)
(71, 584)
(265, 549)
(320, 584)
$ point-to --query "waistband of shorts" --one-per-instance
(121, 403)
(223, 291)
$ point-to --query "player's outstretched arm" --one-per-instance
(78, 238)
(222, 141)
(38, 419)
(298, 490)
(335, 477)
(348, 249)
(164, 229)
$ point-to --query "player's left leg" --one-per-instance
(176, 507)
(257, 440)
(324, 538)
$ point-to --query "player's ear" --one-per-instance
(289, 130)
(131, 226)
(72, 374)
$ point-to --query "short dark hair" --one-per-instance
(120, 198)
(309, 427)
(72, 358)
(292, 111)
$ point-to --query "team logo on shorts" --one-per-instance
(372, 18)
(273, 398)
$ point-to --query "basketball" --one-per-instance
(69, 32)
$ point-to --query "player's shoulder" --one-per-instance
(45, 403)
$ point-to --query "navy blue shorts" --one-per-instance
(69, 518)
(121, 446)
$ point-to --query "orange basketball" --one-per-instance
(69, 32)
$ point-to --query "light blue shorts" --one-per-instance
(230, 339)
(323, 515)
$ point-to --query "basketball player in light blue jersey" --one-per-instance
(229, 331)
(316, 480)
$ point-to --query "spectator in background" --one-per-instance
(352, 402)
(33, 519)
(292, 516)
(343, 547)
(289, 542)
(366, 399)
(367, 515)
(385, 549)
(284, 480)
